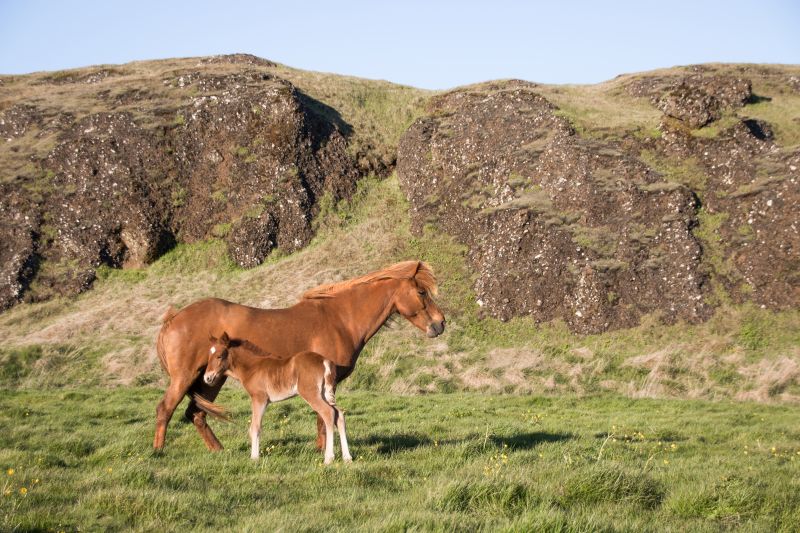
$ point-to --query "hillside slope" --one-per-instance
(352, 223)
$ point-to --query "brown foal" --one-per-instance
(269, 380)
(334, 320)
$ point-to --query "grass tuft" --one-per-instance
(613, 484)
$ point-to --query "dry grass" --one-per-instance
(740, 353)
(594, 110)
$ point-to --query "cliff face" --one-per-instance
(112, 166)
(601, 226)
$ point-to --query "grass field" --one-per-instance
(512, 426)
(81, 460)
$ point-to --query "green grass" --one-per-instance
(435, 462)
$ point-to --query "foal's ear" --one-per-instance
(225, 339)
(234, 343)
(212, 338)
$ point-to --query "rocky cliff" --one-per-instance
(599, 222)
(113, 165)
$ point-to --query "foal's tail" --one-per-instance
(217, 411)
(165, 320)
(329, 382)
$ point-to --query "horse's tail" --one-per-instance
(166, 318)
(329, 382)
(217, 411)
(169, 314)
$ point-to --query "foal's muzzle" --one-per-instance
(210, 377)
(435, 329)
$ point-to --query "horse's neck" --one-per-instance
(365, 308)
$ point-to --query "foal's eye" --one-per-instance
(421, 293)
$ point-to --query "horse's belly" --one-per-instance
(278, 395)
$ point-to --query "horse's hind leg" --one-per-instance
(312, 393)
(172, 397)
(326, 413)
(198, 417)
(320, 433)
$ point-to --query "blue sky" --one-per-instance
(430, 44)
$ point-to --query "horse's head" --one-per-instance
(414, 300)
(218, 357)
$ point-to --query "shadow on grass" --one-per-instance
(389, 444)
(526, 441)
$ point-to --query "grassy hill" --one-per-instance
(106, 335)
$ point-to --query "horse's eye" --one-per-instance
(421, 293)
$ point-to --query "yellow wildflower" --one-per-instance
(10, 471)
(23, 491)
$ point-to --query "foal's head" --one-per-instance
(218, 357)
(413, 300)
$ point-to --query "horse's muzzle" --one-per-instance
(435, 329)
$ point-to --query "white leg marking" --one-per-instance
(329, 392)
(255, 427)
(328, 443)
(343, 437)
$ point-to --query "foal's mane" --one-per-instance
(254, 348)
(417, 270)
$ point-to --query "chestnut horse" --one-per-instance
(269, 380)
(334, 320)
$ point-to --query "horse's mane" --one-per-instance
(418, 270)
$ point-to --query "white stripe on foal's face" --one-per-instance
(213, 350)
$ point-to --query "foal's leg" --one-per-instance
(172, 397)
(198, 417)
(313, 395)
(258, 402)
(342, 435)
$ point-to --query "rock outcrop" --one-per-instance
(232, 152)
(588, 229)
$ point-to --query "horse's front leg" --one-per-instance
(258, 403)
